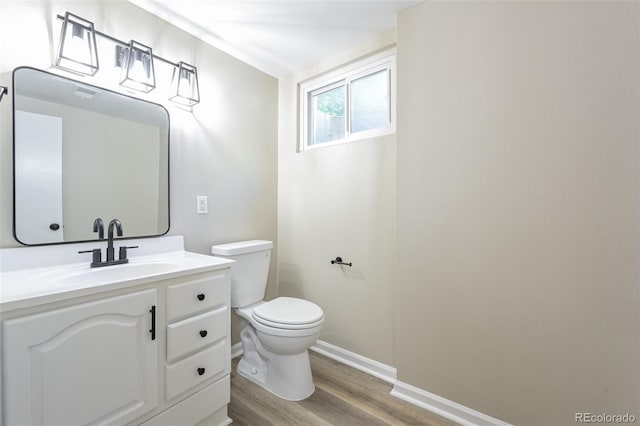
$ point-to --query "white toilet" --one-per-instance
(276, 334)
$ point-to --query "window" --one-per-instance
(350, 104)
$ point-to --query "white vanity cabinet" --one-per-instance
(198, 342)
(155, 352)
(91, 362)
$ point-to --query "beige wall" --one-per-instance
(338, 201)
(518, 230)
(226, 149)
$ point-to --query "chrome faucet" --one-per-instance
(118, 225)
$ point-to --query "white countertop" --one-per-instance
(23, 286)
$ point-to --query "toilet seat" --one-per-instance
(288, 313)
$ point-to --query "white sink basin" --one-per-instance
(107, 274)
(30, 286)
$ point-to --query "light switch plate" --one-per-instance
(201, 204)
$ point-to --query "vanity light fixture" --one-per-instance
(137, 70)
(184, 85)
(77, 50)
(135, 60)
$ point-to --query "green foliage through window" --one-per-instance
(331, 102)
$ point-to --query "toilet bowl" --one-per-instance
(275, 353)
(276, 334)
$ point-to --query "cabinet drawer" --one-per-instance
(197, 295)
(196, 332)
(197, 407)
(197, 368)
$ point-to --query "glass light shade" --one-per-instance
(77, 50)
(184, 85)
(137, 69)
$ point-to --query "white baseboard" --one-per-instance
(236, 350)
(431, 402)
(444, 407)
(359, 362)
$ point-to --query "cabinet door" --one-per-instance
(92, 363)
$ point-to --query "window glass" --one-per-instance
(328, 115)
(370, 102)
(353, 102)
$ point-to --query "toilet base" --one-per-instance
(286, 376)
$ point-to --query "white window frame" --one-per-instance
(382, 61)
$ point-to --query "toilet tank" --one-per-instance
(250, 272)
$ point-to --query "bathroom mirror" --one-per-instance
(82, 152)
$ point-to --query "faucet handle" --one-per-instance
(123, 251)
(96, 257)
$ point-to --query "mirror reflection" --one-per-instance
(82, 152)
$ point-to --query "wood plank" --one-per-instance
(369, 393)
(343, 396)
(339, 411)
(256, 406)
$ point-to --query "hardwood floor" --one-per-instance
(343, 396)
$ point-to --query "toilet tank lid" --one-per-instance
(241, 247)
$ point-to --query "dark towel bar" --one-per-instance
(338, 261)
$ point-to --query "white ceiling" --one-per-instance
(279, 37)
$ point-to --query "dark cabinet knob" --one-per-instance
(203, 333)
(200, 296)
(54, 226)
(201, 371)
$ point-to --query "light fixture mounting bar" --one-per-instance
(123, 43)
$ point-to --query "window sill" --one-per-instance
(369, 134)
